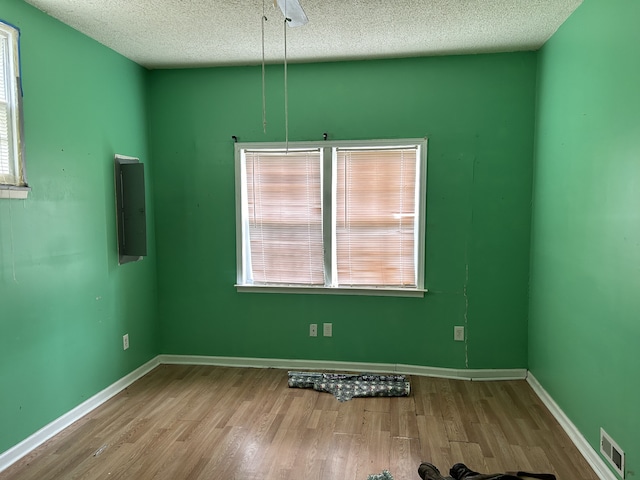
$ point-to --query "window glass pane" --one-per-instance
(284, 200)
(334, 215)
(11, 167)
(4, 141)
(3, 63)
(4, 109)
(376, 217)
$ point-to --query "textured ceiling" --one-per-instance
(190, 33)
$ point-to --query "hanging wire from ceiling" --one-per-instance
(286, 87)
(264, 95)
(294, 16)
(296, 19)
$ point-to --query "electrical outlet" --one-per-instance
(458, 334)
(313, 329)
(125, 341)
(327, 329)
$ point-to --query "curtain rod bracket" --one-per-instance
(235, 139)
(324, 136)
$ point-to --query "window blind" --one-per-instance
(11, 162)
(284, 200)
(5, 141)
(344, 216)
(376, 224)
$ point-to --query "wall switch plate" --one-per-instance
(458, 334)
(327, 329)
(313, 329)
(125, 341)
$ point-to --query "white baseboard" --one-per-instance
(288, 364)
(15, 453)
(18, 451)
(588, 452)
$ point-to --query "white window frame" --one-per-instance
(14, 183)
(327, 149)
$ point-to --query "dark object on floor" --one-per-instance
(460, 471)
(428, 471)
(346, 386)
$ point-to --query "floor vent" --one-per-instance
(612, 452)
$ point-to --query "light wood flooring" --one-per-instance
(215, 423)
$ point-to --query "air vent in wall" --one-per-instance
(612, 452)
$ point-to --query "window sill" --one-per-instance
(369, 291)
(14, 193)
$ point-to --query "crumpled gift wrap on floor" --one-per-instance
(385, 475)
(346, 386)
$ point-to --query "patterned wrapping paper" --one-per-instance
(385, 475)
(347, 386)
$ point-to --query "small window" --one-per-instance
(12, 169)
(343, 217)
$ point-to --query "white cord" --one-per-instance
(286, 90)
(264, 101)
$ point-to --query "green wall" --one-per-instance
(64, 302)
(478, 112)
(585, 264)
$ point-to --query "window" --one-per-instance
(331, 217)
(12, 171)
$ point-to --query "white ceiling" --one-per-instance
(191, 33)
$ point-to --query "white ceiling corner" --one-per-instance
(191, 33)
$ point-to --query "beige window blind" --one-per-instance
(11, 163)
(284, 200)
(376, 224)
(5, 139)
(343, 216)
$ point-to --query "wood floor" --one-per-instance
(216, 423)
